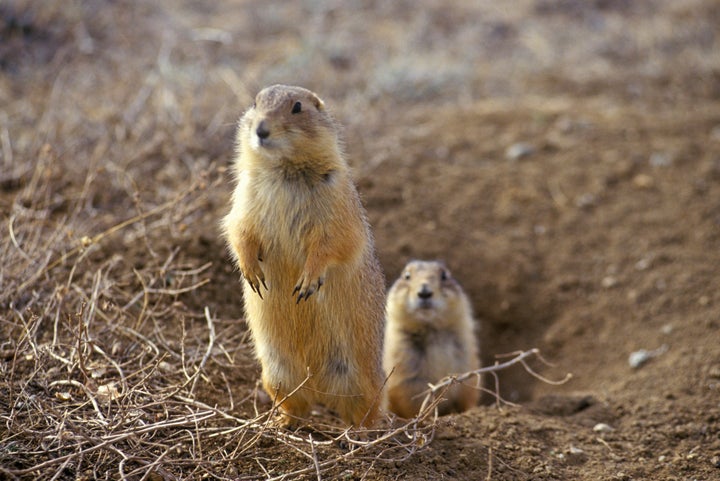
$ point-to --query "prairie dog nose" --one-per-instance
(262, 130)
(425, 292)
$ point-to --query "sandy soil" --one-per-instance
(563, 158)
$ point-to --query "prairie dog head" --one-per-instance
(288, 124)
(426, 293)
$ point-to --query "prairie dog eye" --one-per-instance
(406, 276)
(297, 108)
(443, 275)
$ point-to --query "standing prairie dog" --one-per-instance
(429, 334)
(313, 289)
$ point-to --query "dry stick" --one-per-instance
(172, 292)
(604, 443)
(81, 328)
(520, 357)
(87, 242)
(211, 342)
(315, 459)
(557, 195)
(146, 299)
(14, 240)
(168, 261)
(489, 473)
(183, 338)
(194, 271)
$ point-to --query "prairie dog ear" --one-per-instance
(319, 104)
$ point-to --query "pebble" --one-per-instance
(519, 150)
(585, 200)
(609, 281)
(638, 358)
(643, 263)
(602, 428)
(660, 159)
(643, 181)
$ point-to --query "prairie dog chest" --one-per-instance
(282, 210)
(439, 353)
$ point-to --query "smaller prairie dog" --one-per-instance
(429, 334)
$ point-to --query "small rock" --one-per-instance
(643, 181)
(574, 450)
(714, 372)
(662, 459)
(667, 329)
(638, 358)
(704, 300)
(643, 263)
(608, 282)
(602, 428)
(585, 200)
(660, 159)
(519, 150)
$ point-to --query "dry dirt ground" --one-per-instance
(563, 158)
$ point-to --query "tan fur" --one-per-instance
(429, 334)
(313, 288)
